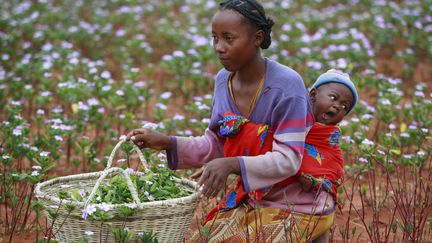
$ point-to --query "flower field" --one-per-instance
(77, 75)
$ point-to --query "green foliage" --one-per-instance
(147, 237)
(122, 235)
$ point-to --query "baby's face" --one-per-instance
(331, 102)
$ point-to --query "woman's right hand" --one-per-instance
(148, 138)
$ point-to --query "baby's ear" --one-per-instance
(312, 95)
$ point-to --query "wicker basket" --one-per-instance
(169, 219)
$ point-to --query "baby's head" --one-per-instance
(333, 95)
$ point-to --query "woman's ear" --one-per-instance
(312, 95)
(259, 38)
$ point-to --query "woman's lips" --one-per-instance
(224, 60)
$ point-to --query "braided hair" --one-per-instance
(254, 13)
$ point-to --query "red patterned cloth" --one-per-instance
(322, 161)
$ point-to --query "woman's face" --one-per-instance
(331, 102)
(235, 41)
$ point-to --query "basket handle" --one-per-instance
(107, 172)
(114, 151)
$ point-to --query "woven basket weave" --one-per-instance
(169, 219)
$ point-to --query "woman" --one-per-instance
(265, 92)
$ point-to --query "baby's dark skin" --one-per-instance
(331, 102)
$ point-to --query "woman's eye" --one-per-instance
(229, 38)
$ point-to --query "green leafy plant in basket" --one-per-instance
(156, 185)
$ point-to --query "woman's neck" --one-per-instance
(252, 72)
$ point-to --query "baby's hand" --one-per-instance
(305, 182)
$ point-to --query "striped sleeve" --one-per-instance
(194, 152)
(291, 121)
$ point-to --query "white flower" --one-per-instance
(150, 125)
(425, 130)
(58, 138)
(151, 198)
(106, 88)
(44, 153)
(17, 131)
(140, 84)
(392, 126)
(88, 232)
(106, 74)
(363, 160)
(405, 135)
(161, 106)
(40, 112)
(355, 119)
(188, 132)
(35, 173)
(6, 157)
(89, 210)
(367, 142)
(82, 193)
(419, 94)
(166, 95)
(178, 54)
(16, 102)
(120, 92)
(82, 106)
(367, 116)
(36, 167)
(385, 102)
(343, 123)
(104, 207)
(93, 102)
(178, 117)
(149, 183)
(203, 107)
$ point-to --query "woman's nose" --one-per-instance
(219, 47)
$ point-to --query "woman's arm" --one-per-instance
(291, 119)
(194, 152)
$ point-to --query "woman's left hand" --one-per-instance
(215, 174)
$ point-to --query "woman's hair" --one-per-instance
(255, 14)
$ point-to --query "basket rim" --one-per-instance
(40, 194)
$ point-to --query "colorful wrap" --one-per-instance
(322, 164)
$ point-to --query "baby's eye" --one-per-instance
(332, 97)
(345, 107)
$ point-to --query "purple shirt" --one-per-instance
(284, 105)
